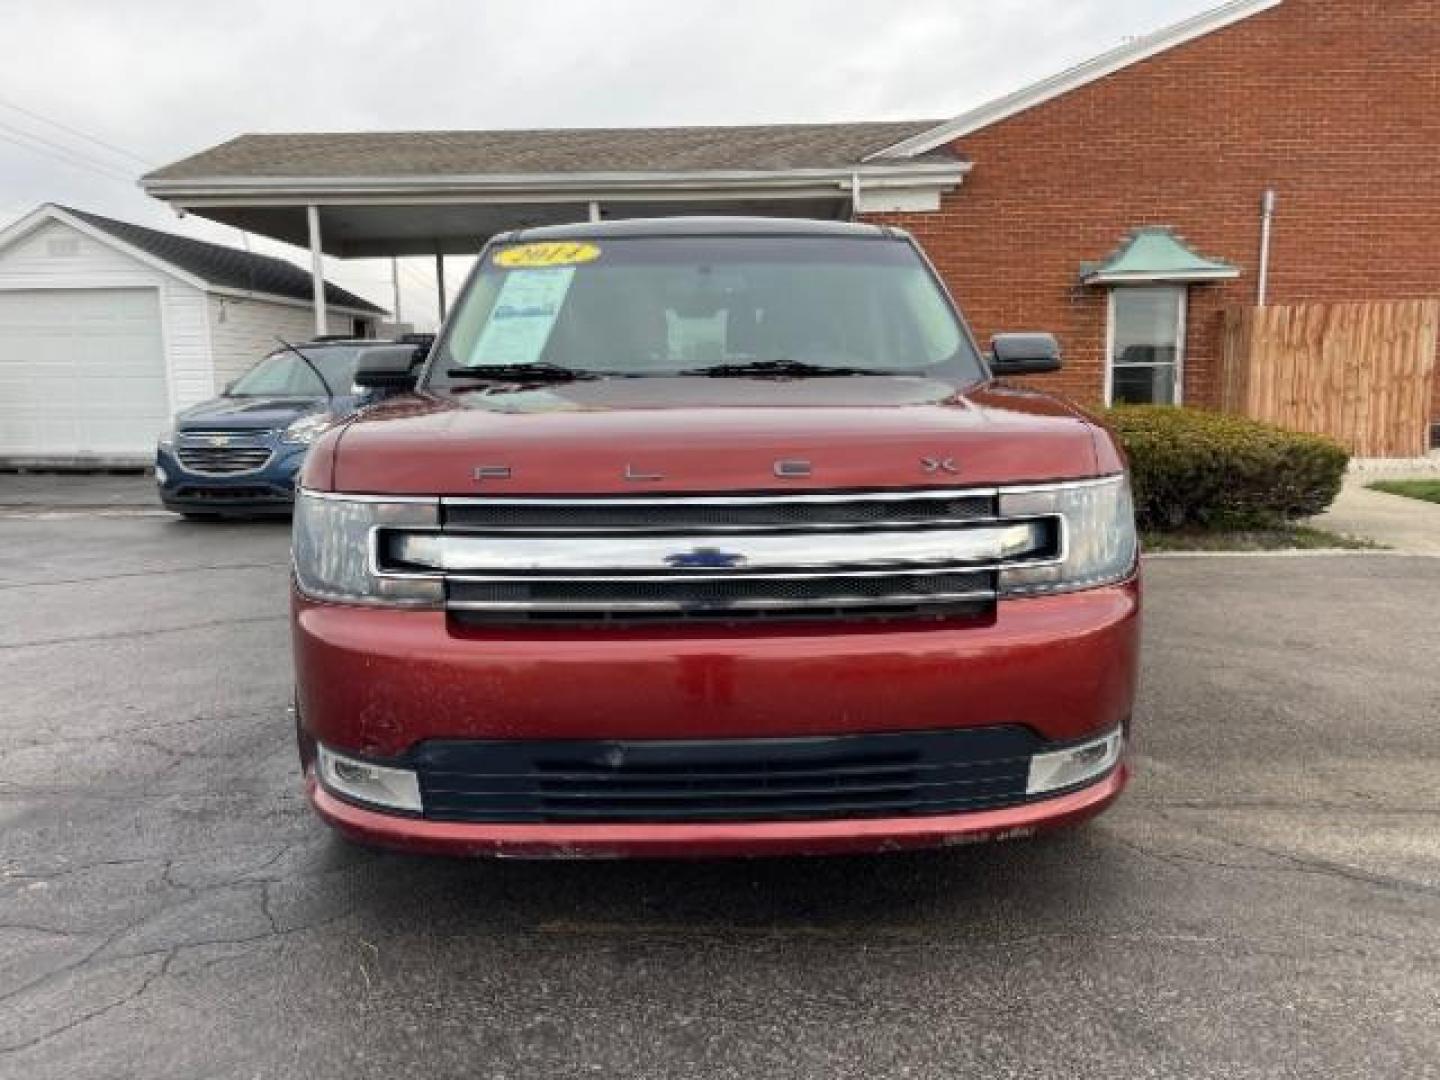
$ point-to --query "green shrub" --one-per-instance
(1212, 470)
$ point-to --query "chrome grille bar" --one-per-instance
(683, 555)
(226, 433)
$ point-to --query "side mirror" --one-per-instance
(228, 387)
(390, 368)
(1024, 354)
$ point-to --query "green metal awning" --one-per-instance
(1155, 254)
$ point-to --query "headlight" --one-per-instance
(167, 439)
(333, 548)
(1100, 545)
(307, 429)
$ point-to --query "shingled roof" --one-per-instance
(584, 150)
(224, 267)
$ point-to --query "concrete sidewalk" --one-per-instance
(77, 491)
(1409, 525)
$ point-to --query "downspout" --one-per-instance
(855, 195)
(1267, 220)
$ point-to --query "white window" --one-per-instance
(1146, 363)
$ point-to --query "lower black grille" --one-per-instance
(892, 775)
(227, 494)
(725, 598)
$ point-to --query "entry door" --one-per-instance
(1147, 345)
(82, 374)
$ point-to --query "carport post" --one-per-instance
(317, 269)
(395, 286)
(440, 282)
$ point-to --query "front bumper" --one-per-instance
(270, 489)
(700, 841)
(377, 683)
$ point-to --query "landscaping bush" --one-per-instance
(1196, 469)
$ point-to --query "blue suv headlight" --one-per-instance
(307, 429)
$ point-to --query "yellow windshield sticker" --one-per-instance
(567, 254)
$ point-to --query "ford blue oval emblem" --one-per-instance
(705, 558)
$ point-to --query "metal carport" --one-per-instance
(366, 195)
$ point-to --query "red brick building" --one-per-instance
(1332, 104)
(1119, 204)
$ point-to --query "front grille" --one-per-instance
(834, 555)
(222, 460)
(722, 598)
(852, 776)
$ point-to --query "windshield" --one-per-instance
(662, 306)
(283, 374)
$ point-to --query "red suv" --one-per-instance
(712, 537)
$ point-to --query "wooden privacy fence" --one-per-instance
(1363, 374)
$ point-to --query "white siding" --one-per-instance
(56, 256)
(187, 346)
(243, 331)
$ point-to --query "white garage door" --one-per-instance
(82, 373)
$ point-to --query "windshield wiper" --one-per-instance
(540, 372)
(781, 369)
(329, 393)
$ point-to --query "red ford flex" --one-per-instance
(711, 537)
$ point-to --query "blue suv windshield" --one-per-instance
(283, 374)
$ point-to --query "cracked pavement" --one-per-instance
(1264, 902)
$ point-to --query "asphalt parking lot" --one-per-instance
(1264, 902)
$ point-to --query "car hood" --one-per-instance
(630, 436)
(240, 413)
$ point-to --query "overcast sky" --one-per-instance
(157, 80)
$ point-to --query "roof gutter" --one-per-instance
(556, 186)
(259, 296)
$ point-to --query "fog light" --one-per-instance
(378, 785)
(1075, 764)
(161, 476)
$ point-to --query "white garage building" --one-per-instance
(107, 329)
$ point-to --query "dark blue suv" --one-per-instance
(239, 453)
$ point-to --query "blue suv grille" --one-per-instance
(223, 453)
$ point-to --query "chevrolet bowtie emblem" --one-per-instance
(219, 440)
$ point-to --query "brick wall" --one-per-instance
(1334, 103)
